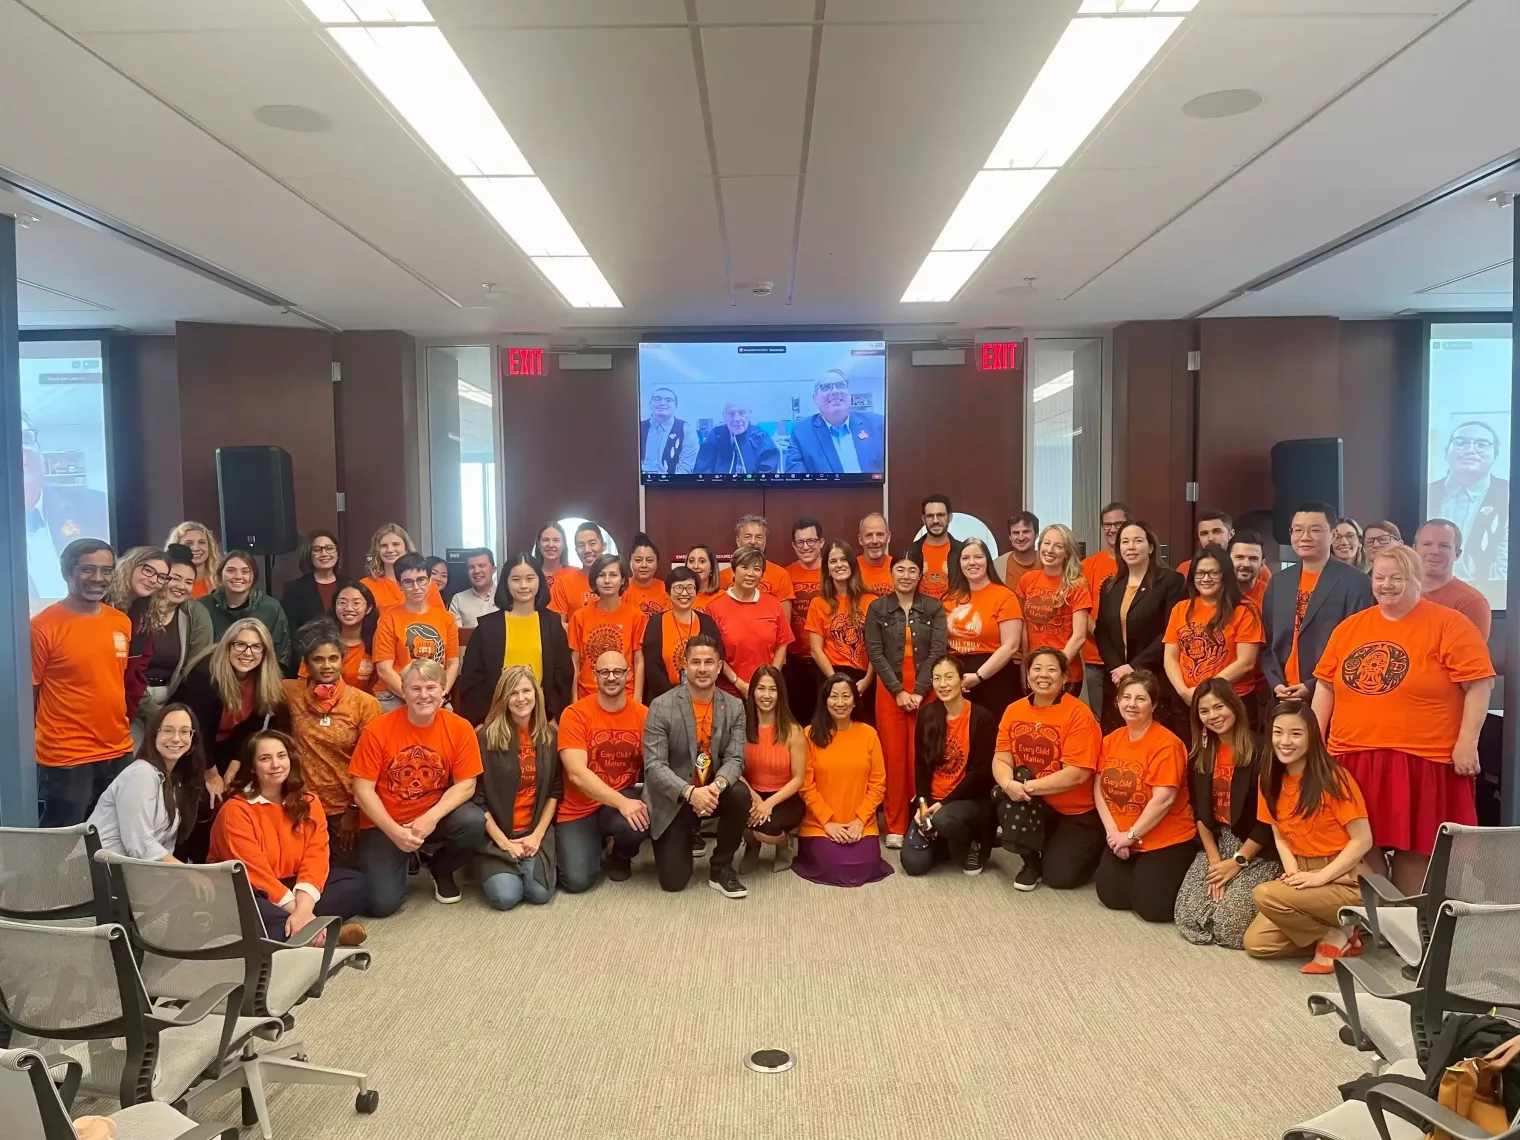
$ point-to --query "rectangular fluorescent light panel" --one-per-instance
(408, 59)
(1099, 55)
(1046, 390)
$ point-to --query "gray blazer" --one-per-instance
(1341, 591)
(670, 750)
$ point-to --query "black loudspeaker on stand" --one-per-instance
(1305, 471)
(258, 504)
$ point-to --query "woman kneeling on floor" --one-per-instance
(775, 759)
(952, 759)
(1319, 821)
(1214, 905)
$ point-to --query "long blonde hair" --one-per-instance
(499, 728)
(1071, 568)
(160, 610)
(209, 572)
(268, 692)
(372, 563)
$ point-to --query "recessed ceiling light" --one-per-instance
(292, 117)
(1222, 104)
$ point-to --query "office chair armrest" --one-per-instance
(1418, 1108)
(201, 1006)
(209, 1132)
(1385, 893)
(304, 937)
(1352, 974)
(73, 1073)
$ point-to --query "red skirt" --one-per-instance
(1410, 797)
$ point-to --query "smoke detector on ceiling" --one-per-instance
(293, 117)
(1030, 285)
(763, 288)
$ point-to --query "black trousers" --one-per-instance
(786, 817)
(957, 825)
(673, 859)
(1073, 846)
(1146, 883)
(802, 682)
(1000, 690)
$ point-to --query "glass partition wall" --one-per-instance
(1064, 456)
(461, 437)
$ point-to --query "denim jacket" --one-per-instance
(885, 637)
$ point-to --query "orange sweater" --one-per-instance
(258, 833)
(845, 781)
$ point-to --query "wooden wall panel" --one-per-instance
(839, 509)
(1153, 426)
(244, 385)
(1380, 419)
(678, 518)
(147, 483)
(376, 441)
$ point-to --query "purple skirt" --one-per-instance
(821, 860)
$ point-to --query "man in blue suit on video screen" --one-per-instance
(838, 440)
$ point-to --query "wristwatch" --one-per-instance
(721, 783)
(1131, 836)
(1241, 859)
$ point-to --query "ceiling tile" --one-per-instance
(757, 88)
(760, 213)
(170, 15)
(755, 11)
(556, 13)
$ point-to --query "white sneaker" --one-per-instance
(894, 842)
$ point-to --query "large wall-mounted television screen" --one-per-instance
(713, 413)
(1467, 449)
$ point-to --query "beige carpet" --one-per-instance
(937, 1007)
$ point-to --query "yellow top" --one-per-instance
(524, 646)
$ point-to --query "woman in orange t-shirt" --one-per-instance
(389, 543)
(1047, 752)
(606, 624)
(842, 786)
(775, 761)
(550, 551)
(205, 554)
(358, 617)
(702, 562)
(1143, 802)
(952, 763)
(1057, 603)
(984, 624)
(667, 633)
(645, 590)
(1215, 633)
(1319, 823)
(520, 786)
(1403, 688)
(836, 622)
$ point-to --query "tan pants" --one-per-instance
(1290, 920)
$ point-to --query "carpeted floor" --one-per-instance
(943, 1006)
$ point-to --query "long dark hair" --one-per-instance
(371, 616)
(292, 792)
(1229, 588)
(566, 551)
(1153, 567)
(785, 724)
(504, 595)
(1243, 743)
(822, 729)
(303, 560)
(183, 783)
(855, 588)
(959, 588)
(1322, 775)
(932, 717)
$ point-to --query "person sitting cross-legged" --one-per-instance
(693, 769)
(414, 772)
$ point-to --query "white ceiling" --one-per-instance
(142, 109)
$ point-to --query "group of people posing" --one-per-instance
(1247, 740)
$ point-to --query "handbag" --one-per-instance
(1022, 822)
(1472, 1090)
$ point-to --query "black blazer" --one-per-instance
(301, 601)
(481, 667)
(656, 681)
(976, 782)
(200, 695)
(1243, 787)
(1341, 591)
(1148, 614)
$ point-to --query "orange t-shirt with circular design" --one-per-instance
(1050, 613)
(936, 579)
(1128, 773)
(945, 776)
(1097, 569)
(594, 631)
(527, 782)
(1202, 653)
(614, 746)
(843, 630)
(972, 623)
(1046, 738)
(651, 599)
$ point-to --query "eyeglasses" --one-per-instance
(326, 548)
(152, 575)
(826, 386)
(1306, 531)
(247, 647)
(1378, 541)
(1467, 443)
(610, 674)
(177, 733)
(1208, 575)
(806, 541)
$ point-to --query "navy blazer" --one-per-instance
(1341, 591)
(812, 448)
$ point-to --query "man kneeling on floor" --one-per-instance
(414, 772)
(693, 761)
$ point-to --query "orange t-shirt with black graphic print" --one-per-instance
(806, 585)
(971, 623)
(1223, 777)
(412, 767)
(1398, 684)
(946, 774)
(527, 782)
(1307, 580)
(594, 631)
(843, 631)
(1049, 617)
(402, 637)
(1321, 835)
(571, 590)
(79, 663)
(1130, 770)
(878, 579)
(775, 581)
(673, 638)
(651, 599)
(1097, 569)
(1045, 739)
(1202, 654)
(936, 579)
(614, 746)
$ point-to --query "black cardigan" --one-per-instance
(976, 781)
(301, 601)
(1243, 819)
(1146, 622)
(198, 693)
(481, 668)
(656, 681)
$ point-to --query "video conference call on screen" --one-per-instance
(714, 413)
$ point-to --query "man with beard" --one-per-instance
(838, 439)
(937, 548)
(1021, 557)
(1247, 559)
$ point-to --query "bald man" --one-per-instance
(875, 557)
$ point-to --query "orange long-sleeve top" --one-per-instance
(845, 781)
(259, 834)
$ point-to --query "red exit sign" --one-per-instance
(525, 362)
(998, 356)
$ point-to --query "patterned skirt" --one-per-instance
(1204, 922)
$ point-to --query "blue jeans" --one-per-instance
(505, 889)
(578, 844)
(66, 796)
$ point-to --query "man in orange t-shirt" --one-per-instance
(413, 774)
(416, 630)
(799, 672)
(752, 532)
(1439, 544)
(938, 548)
(1097, 569)
(601, 746)
(875, 561)
(79, 662)
(572, 585)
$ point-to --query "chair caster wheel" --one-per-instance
(302, 1057)
(367, 1102)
